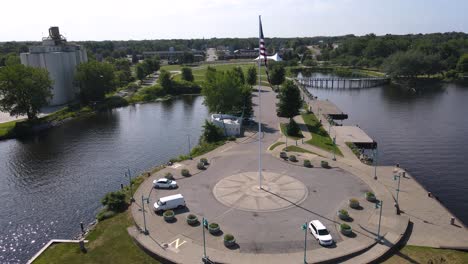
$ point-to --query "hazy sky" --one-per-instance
(157, 19)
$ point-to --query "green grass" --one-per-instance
(6, 127)
(272, 147)
(416, 254)
(297, 149)
(320, 137)
(294, 137)
(109, 242)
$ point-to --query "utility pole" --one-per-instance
(204, 224)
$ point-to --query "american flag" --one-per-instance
(262, 48)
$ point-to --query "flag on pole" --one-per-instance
(262, 49)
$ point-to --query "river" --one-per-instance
(425, 130)
(50, 183)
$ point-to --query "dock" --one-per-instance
(356, 135)
(343, 83)
(329, 109)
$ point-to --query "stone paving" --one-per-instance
(266, 223)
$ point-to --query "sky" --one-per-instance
(185, 19)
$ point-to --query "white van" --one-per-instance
(169, 202)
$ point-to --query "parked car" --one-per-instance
(169, 202)
(320, 232)
(164, 183)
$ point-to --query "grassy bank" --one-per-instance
(284, 131)
(6, 128)
(320, 137)
(415, 254)
(297, 149)
(272, 147)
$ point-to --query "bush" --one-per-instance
(213, 228)
(204, 161)
(115, 201)
(229, 240)
(346, 229)
(324, 164)
(200, 165)
(169, 215)
(169, 176)
(292, 158)
(370, 196)
(343, 214)
(307, 163)
(185, 172)
(105, 214)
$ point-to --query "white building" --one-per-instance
(60, 59)
(231, 125)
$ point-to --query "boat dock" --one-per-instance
(329, 109)
(356, 135)
(343, 83)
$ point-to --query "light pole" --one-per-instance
(379, 204)
(375, 163)
(129, 175)
(334, 149)
(304, 227)
(189, 148)
(398, 175)
(143, 200)
(204, 223)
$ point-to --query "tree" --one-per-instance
(123, 72)
(134, 58)
(222, 92)
(292, 129)
(24, 90)
(289, 100)
(165, 80)
(247, 108)
(462, 65)
(240, 74)
(211, 132)
(140, 71)
(115, 201)
(187, 74)
(277, 74)
(251, 76)
(95, 79)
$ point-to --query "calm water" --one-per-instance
(426, 131)
(50, 183)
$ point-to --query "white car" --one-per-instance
(165, 183)
(320, 232)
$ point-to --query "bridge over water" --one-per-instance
(343, 83)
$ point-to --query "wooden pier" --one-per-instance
(343, 83)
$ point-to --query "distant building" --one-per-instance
(60, 59)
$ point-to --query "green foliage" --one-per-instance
(251, 78)
(370, 194)
(462, 65)
(307, 163)
(168, 213)
(289, 100)
(324, 164)
(309, 62)
(239, 73)
(228, 237)
(123, 72)
(292, 128)
(115, 201)
(411, 64)
(95, 79)
(345, 226)
(277, 73)
(187, 74)
(343, 212)
(320, 137)
(105, 214)
(140, 71)
(292, 158)
(213, 225)
(165, 81)
(169, 176)
(211, 133)
(204, 161)
(185, 172)
(24, 90)
(200, 165)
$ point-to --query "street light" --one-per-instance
(379, 204)
(375, 163)
(304, 227)
(334, 149)
(143, 200)
(129, 175)
(397, 174)
(204, 224)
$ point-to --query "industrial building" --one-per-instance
(60, 59)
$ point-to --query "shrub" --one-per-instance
(292, 128)
(200, 165)
(204, 161)
(324, 164)
(292, 158)
(185, 172)
(169, 176)
(115, 201)
(343, 212)
(213, 226)
(228, 237)
(370, 196)
(105, 214)
(307, 163)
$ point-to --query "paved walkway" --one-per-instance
(182, 243)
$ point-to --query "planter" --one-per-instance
(229, 240)
(169, 176)
(204, 161)
(292, 158)
(213, 228)
(185, 172)
(283, 155)
(169, 216)
(346, 229)
(324, 164)
(192, 219)
(370, 196)
(200, 165)
(353, 203)
(343, 214)
(307, 164)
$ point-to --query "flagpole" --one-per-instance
(259, 109)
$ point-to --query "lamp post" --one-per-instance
(129, 175)
(143, 200)
(334, 149)
(375, 163)
(379, 204)
(304, 227)
(189, 148)
(204, 224)
(397, 174)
